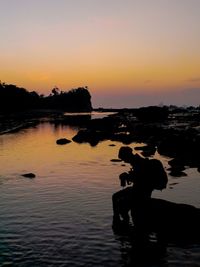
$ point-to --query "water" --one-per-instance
(63, 217)
(93, 114)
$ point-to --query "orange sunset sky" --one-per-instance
(129, 53)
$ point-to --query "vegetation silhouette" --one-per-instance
(78, 99)
(14, 98)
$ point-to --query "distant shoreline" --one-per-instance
(17, 120)
(11, 122)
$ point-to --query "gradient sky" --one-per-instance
(128, 52)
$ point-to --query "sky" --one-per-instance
(129, 53)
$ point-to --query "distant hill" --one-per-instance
(13, 98)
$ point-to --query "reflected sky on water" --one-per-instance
(63, 217)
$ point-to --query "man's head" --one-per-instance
(126, 154)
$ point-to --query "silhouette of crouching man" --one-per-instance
(144, 176)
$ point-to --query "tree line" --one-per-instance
(14, 98)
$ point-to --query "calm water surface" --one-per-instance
(63, 217)
(93, 114)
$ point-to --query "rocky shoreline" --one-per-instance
(176, 136)
(172, 132)
(13, 122)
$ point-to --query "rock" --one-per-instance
(63, 141)
(147, 151)
(152, 113)
(173, 184)
(177, 163)
(183, 145)
(177, 173)
(29, 175)
(125, 138)
(86, 136)
(92, 137)
(116, 160)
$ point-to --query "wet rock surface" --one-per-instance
(63, 141)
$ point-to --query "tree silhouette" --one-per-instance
(13, 98)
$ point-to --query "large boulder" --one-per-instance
(90, 136)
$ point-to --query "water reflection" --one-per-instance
(59, 128)
(93, 114)
(63, 217)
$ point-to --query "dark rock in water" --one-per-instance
(177, 163)
(171, 145)
(171, 222)
(29, 175)
(177, 173)
(112, 145)
(152, 113)
(147, 150)
(107, 124)
(177, 222)
(116, 160)
(177, 167)
(184, 145)
(86, 136)
(92, 137)
(123, 137)
(63, 141)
